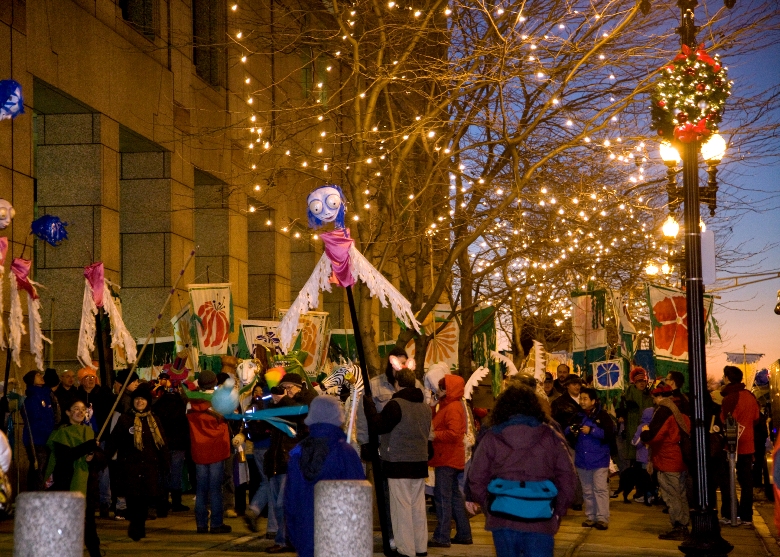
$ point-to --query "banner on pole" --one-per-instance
(669, 324)
(212, 310)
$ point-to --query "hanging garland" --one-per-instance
(690, 97)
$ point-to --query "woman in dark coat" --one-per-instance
(140, 446)
(521, 446)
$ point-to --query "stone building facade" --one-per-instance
(134, 109)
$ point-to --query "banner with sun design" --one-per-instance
(212, 310)
(443, 345)
(669, 323)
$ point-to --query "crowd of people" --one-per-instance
(161, 439)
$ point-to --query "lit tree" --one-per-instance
(450, 124)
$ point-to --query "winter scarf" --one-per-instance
(138, 430)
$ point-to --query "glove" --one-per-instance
(368, 451)
(238, 439)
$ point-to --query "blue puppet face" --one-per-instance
(326, 204)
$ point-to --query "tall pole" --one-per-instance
(373, 438)
(705, 539)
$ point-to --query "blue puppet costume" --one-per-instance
(323, 455)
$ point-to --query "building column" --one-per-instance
(221, 237)
(157, 234)
(77, 181)
(269, 265)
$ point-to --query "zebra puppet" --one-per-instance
(345, 374)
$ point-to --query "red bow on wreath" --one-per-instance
(702, 55)
(686, 51)
(689, 132)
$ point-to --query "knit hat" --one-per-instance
(548, 376)
(572, 378)
(144, 391)
(292, 379)
(207, 380)
(325, 410)
(121, 376)
(50, 377)
(638, 374)
(29, 378)
(83, 372)
(662, 390)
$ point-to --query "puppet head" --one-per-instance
(6, 213)
(326, 204)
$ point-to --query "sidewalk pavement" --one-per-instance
(633, 532)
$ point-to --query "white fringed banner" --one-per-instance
(20, 268)
(98, 294)
(360, 268)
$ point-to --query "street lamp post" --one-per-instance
(705, 538)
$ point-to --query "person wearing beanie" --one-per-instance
(171, 409)
(549, 387)
(126, 400)
(323, 455)
(635, 400)
(663, 435)
(277, 456)
(39, 421)
(207, 380)
(75, 464)
(210, 448)
(139, 443)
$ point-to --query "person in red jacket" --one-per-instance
(449, 460)
(210, 446)
(663, 437)
(741, 404)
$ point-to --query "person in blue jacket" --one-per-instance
(323, 455)
(39, 421)
(593, 430)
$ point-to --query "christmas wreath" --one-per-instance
(690, 97)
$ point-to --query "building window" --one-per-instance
(208, 32)
(141, 14)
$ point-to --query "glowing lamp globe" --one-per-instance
(669, 154)
(666, 269)
(670, 227)
(651, 270)
(714, 148)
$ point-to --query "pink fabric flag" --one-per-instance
(94, 275)
(337, 244)
(21, 270)
(3, 250)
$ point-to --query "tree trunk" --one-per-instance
(465, 349)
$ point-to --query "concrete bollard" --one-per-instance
(49, 523)
(343, 519)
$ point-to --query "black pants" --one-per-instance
(91, 539)
(137, 510)
(634, 476)
(745, 480)
(35, 479)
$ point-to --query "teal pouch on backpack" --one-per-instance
(522, 501)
